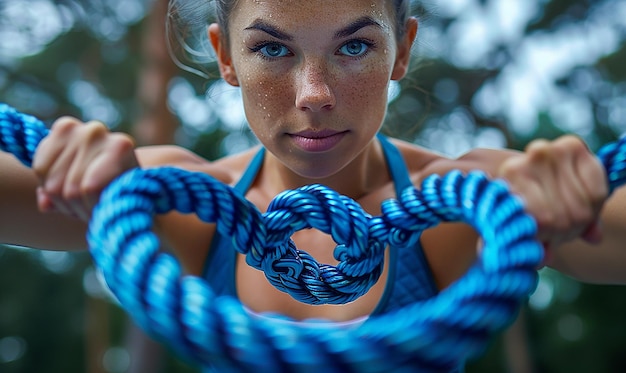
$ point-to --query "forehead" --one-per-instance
(310, 14)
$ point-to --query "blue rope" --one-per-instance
(183, 311)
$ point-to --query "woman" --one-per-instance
(314, 77)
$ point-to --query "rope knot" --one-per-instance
(314, 206)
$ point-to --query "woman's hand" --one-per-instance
(563, 185)
(75, 162)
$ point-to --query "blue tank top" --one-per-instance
(409, 276)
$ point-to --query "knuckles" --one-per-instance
(76, 160)
(570, 143)
(75, 131)
(64, 125)
(539, 176)
(564, 148)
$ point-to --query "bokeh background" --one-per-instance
(489, 73)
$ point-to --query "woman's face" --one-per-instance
(314, 76)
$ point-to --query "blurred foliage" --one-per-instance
(43, 312)
(89, 69)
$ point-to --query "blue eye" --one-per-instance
(354, 48)
(273, 50)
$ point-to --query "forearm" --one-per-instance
(603, 263)
(21, 223)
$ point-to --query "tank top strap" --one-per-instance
(396, 165)
(410, 278)
(246, 180)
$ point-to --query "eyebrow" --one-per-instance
(356, 26)
(352, 28)
(261, 25)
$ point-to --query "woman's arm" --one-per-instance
(564, 189)
(603, 262)
(48, 206)
(21, 222)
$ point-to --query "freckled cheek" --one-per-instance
(366, 90)
(265, 96)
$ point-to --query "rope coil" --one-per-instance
(437, 334)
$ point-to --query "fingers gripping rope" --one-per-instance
(183, 311)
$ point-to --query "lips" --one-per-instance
(317, 141)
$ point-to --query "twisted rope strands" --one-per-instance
(613, 157)
(436, 334)
(20, 134)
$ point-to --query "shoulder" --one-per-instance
(227, 170)
(422, 162)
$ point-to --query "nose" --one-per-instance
(313, 91)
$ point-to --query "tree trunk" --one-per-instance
(155, 123)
